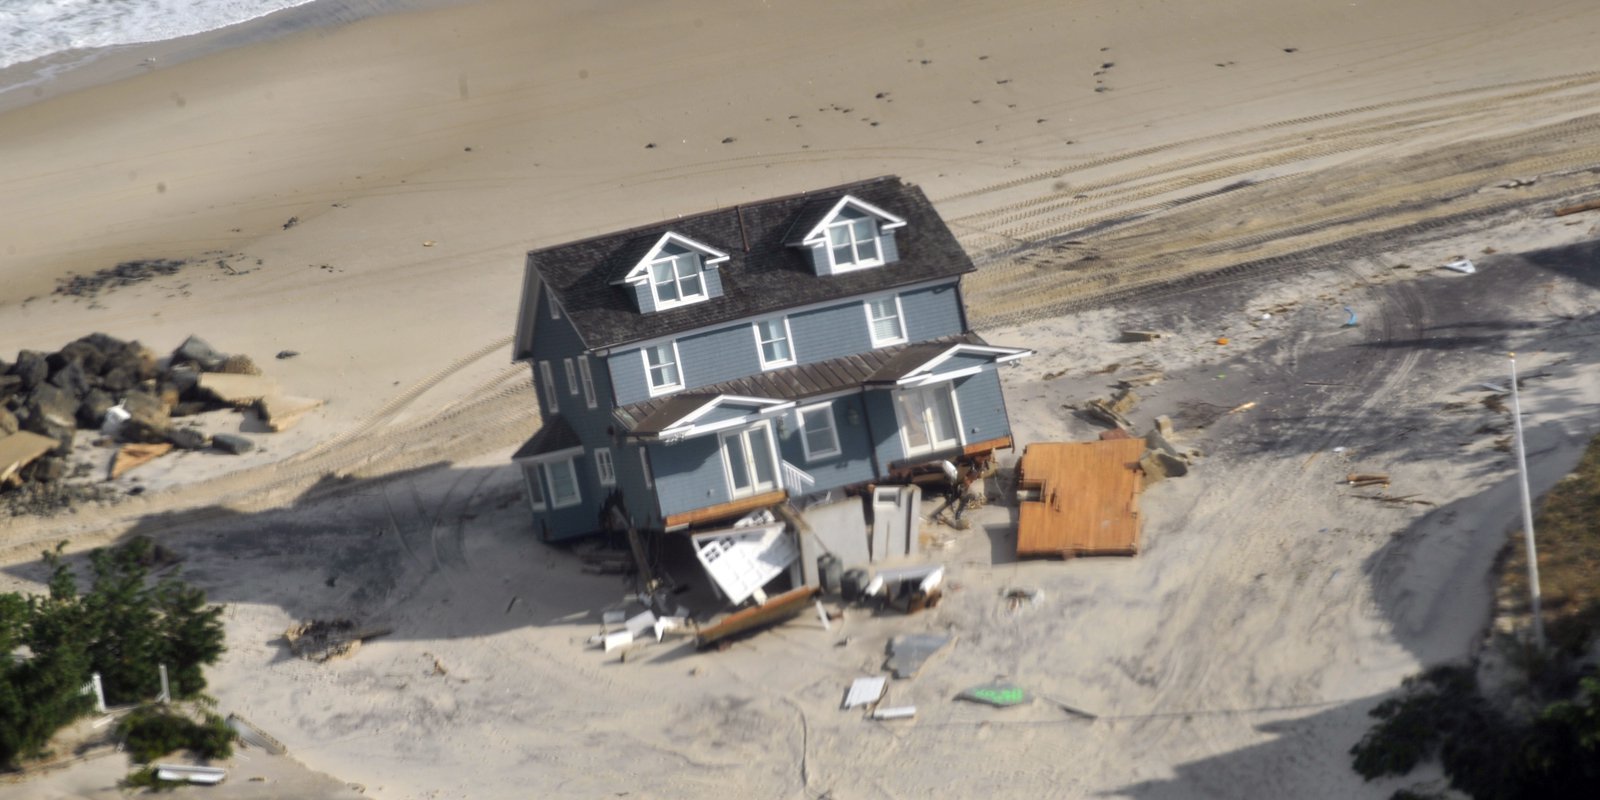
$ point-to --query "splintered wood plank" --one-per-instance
(1088, 498)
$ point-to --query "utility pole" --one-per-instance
(1527, 511)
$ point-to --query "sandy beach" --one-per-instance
(363, 190)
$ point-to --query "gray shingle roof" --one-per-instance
(769, 277)
(790, 383)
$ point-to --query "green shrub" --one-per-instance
(151, 732)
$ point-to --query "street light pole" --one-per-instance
(1527, 510)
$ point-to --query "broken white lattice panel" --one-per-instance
(742, 560)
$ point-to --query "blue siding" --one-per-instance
(884, 426)
(689, 474)
(720, 355)
(713, 278)
(854, 462)
(824, 333)
(891, 252)
(983, 407)
(930, 313)
(643, 297)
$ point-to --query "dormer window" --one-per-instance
(853, 241)
(846, 235)
(675, 278)
(671, 271)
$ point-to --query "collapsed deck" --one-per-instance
(1080, 498)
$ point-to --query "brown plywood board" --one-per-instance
(21, 449)
(1088, 498)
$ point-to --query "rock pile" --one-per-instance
(100, 382)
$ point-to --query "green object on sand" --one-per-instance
(1002, 695)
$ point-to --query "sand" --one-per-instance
(419, 155)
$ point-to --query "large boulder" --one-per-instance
(83, 353)
(51, 404)
(197, 351)
(232, 443)
(8, 422)
(188, 438)
(44, 426)
(92, 411)
(32, 368)
(148, 420)
(119, 378)
(72, 378)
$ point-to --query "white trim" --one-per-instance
(756, 487)
(531, 282)
(639, 272)
(677, 365)
(683, 298)
(644, 464)
(556, 455)
(690, 431)
(788, 343)
(805, 439)
(941, 377)
(577, 488)
(588, 380)
(572, 377)
(604, 468)
(551, 401)
(722, 399)
(890, 221)
(835, 266)
(550, 300)
(900, 318)
(790, 311)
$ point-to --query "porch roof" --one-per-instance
(788, 384)
(554, 436)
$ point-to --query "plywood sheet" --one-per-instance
(1088, 498)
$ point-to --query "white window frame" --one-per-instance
(849, 226)
(833, 431)
(551, 402)
(644, 463)
(649, 375)
(571, 464)
(535, 488)
(572, 376)
(756, 487)
(933, 445)
(677, 279)
(761, 343)
(899, 316)
(604, 468)
(588, 381)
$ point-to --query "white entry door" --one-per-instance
(750, 460)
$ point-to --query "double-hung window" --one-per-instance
(588, 381)
(552, 404)
(563, 477)
(603, 468)
(818, 435)
(884, 321)
(772, 337)
(853, 243)
(535, 485)
(572, 377)
(928, 419)
(661, 368)
(676, 280)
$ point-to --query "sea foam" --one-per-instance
(33, 29)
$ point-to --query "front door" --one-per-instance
(750, 460)
(928, 419)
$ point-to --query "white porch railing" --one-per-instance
(796, 481)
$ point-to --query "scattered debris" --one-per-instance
(281, 412)
(188, 774)
(1016, 597)
(1141, 336)
(232, 443)
(1222, 340)
(252, 735)
(20, 449)
(1079, 498)
(1588, 205)
(1461, 265)
(132, 455)
(895, 712)
(865, 691)
(1367, 479)
(283, 354)
(909, 651)
(236, 390)
(772, 612)
(1143, 379)
(126, 273)
(1351, 320)
(916, 587)
(999, 695)
(1242, 407)
(742, 560)
(324, 640)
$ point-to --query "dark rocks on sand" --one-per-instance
(282, 354)
(188, 438)
(196, 350)
(72, 379)
(47, 403)
(148, 420)
(92, 411)
(239, 365)
(32, 368)
(232, 443)
(8, 422)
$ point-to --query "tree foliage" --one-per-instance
(1486, 754)
(123, 627)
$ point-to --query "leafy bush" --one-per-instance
(123, 628)
(151, 732)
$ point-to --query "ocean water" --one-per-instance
(36, 29)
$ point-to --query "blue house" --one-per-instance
(697, 369)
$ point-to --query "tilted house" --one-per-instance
(696, 369)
